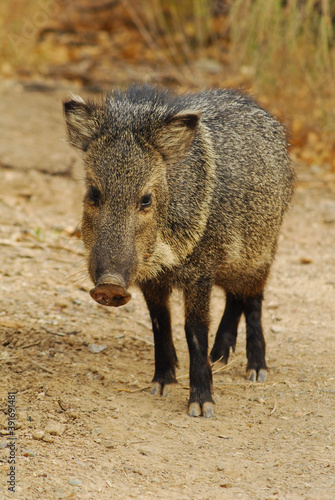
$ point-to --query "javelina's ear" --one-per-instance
(82, 126)
(175, 137)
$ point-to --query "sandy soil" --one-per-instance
(87, 426)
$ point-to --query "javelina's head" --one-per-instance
(128, 148)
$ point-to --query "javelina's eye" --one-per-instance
(146, 201)
(94, 196)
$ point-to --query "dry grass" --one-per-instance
(287, 53)
(293, 44)
(283, 51)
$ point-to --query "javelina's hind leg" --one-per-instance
(196, 327)
(227, 331)
(256, 367)
(157, 300)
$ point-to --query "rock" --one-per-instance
(109, 445)
(27, 453)
(48, 439)
(79, 462)
(277, 329)
(55, 428)
(51, 158)
(96, 431)
(73, 414)
(38, 434)
(145, 451)
(95, 348)
(75, 482)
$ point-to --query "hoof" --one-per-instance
(156, 388)
(262, 374)
(207, 410)
(162, 390)
(168, 390)
(253, 376)
(194, 410)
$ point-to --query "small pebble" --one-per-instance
(73, 414)
(38, 434)
(145, 451)
(306, 260)
(27, 453)
(109, 445)
(277, 329)
(95, 348)
(48, 439)
(220, 467)
(96, 431)
(75, 482)
(79, 462)
(55, 428)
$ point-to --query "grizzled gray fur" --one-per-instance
(189, 191)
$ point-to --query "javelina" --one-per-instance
(188, 191)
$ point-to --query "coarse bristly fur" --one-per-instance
(184, 190)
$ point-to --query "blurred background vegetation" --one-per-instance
(282, 51)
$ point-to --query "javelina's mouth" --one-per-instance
(108, 294)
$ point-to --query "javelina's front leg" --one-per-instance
(157, 300)
(197, 298)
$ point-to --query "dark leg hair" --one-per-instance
(227, 332)
(157, 299)
(256, 367)
(197, 299)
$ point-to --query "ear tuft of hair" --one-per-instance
(81, 122)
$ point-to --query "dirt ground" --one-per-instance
(87, 426)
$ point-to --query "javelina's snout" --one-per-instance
(110, 292)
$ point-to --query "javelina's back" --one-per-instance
(185, 191)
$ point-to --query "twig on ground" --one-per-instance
(274, 408)
(48, 370)
(29, 345)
